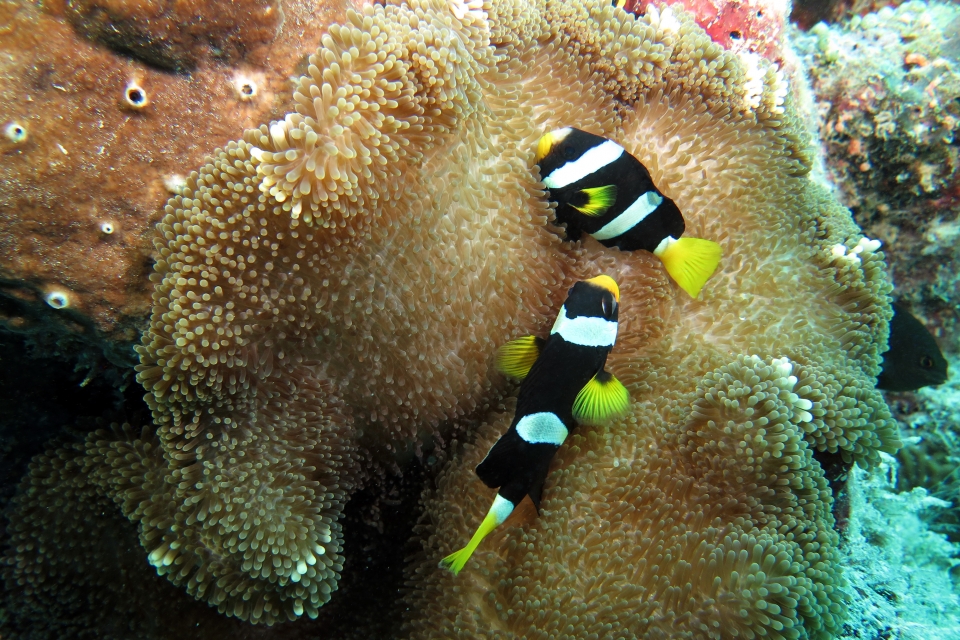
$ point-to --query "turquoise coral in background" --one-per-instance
(898, 571)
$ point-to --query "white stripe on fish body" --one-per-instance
(542, 428)
(560, 134)
(586, 331)
(593, 160)
(631, 216)
(664, 245)
(501, 509)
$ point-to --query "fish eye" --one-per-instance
(926, 362)
(608, 304)
(569, 153)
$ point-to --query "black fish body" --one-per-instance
(517, 466)
(633, 184)
(564, 384)
(602, 190)
(913, 360)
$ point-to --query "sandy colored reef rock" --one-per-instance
(98, 132)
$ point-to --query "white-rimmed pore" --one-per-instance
(586, 331)
(631, 217)
(593, 160)
(542, 428)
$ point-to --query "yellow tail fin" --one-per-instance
(689, 261)
(499, 510)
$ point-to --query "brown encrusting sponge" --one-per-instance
(343, 277)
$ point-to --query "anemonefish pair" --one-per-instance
(604, 191)
(564, 383)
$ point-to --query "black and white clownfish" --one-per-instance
(604, 191)
(564, 384)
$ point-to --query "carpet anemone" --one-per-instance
(342, 278)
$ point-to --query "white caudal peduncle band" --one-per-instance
(665, 244)
(593, 160)
(542, 428)
(586, 331)
(501, 509)
(631, 217)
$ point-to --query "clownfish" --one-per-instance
(604, 191)
(564, 384)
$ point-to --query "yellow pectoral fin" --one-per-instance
(599, 200)
(515, 358)
(544, 145)
(498, 512)
(690, 261)
(602, 399)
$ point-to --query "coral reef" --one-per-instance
(77, 153)
(898, 572)
(888, 94)
(888, 88)
(176, 36)
(754, 26)
(807, 13)
(931, 454)
(338, 281)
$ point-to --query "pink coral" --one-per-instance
(751, 25)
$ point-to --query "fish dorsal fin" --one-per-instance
(515, 358)
(599, 200)
(600, 400)
(689, 261)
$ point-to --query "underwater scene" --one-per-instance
(530, 319)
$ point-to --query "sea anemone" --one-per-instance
(341, 278)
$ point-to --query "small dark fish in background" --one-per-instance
(914, 359)
(564, 384)
(602, 190)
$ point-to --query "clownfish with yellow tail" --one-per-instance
(564, 383)
(604, 191)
